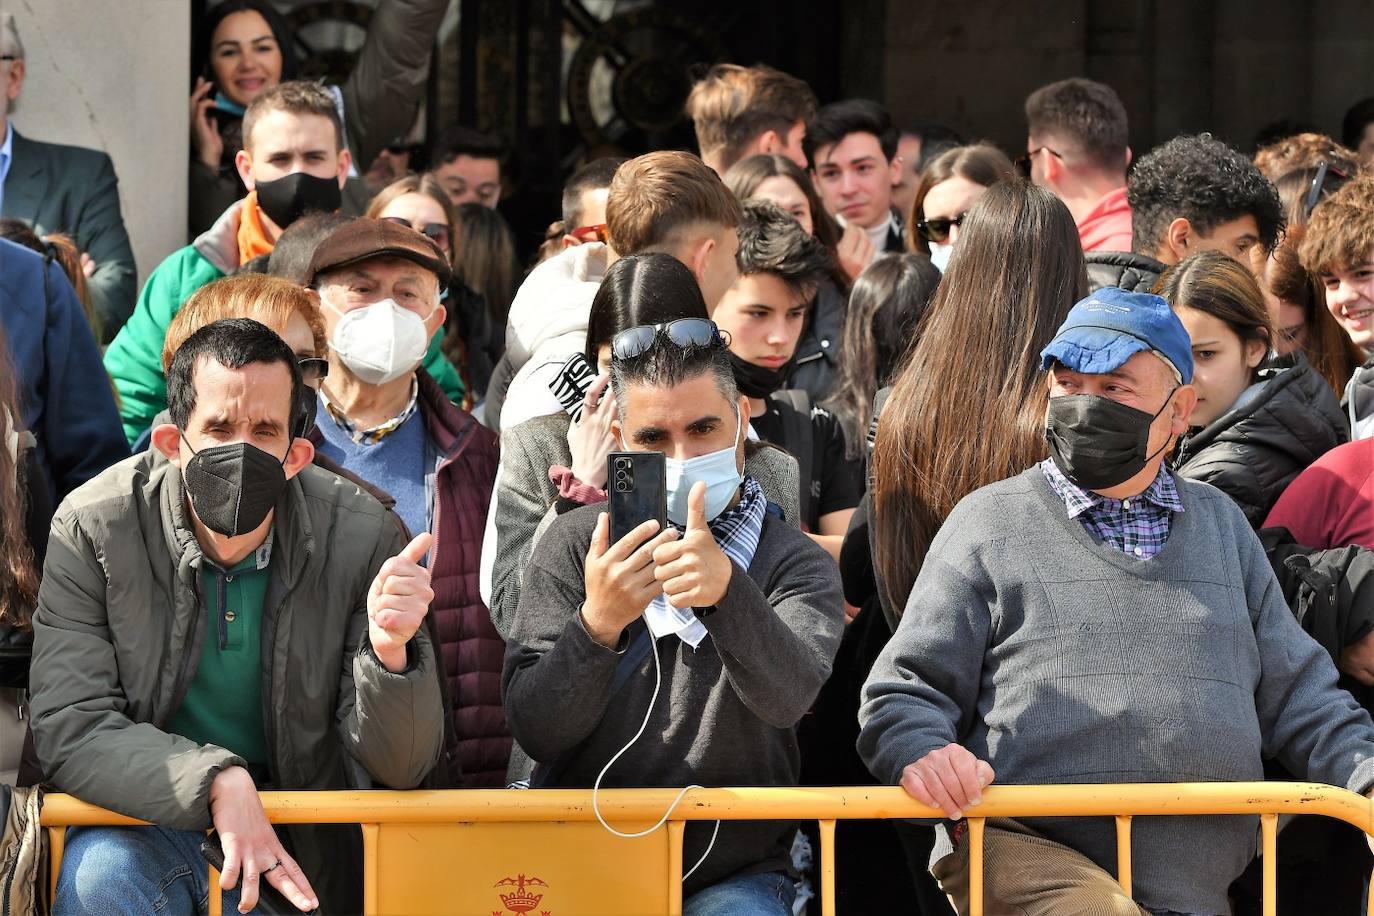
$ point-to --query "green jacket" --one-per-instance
(134, 359)
(119, 631)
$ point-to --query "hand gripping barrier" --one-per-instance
(542, 852)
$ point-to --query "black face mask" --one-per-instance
(1099, 443)
(288, 198)
(233, 487)
(758, 381)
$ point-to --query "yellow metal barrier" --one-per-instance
(505, 852)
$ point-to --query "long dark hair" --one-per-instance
(641, 289)
(18, 569)
(484, 256)
(887, 304)
(980, 163)
(744, 179)
(286, 40)
(968, 406)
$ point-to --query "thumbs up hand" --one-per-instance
(398, 602)
(693, 571)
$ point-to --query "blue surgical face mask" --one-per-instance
(939, 255)
(720, 471)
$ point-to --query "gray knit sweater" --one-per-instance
(1059, 659)
(726, 713)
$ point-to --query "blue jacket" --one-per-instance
(65, 397)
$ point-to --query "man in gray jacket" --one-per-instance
(228, 619)
(740, 610)
(1097, 619)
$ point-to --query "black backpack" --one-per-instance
(798, 437)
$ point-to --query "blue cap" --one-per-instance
(1112, 325)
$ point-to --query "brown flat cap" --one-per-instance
(364, 239)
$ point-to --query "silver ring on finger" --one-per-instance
(275, 865)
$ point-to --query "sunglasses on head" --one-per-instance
(595, 233)
(685, 333)
(313, 368)
(1318, 189)
(435, 232)
(937, 230)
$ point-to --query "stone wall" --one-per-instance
(1179, 65)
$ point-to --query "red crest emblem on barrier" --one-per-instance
(522, 900)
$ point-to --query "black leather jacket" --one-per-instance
(1252, 453)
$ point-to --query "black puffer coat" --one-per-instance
(1253, 453)
(1135, 273)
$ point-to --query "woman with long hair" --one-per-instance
(880, 328)
(968, 408)
(1258, 423)
(950, 185)
(25, 514)
(485, 260)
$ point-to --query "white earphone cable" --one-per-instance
(596, 787)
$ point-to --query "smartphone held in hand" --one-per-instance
(636, 485)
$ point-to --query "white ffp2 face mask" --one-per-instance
(379, 342)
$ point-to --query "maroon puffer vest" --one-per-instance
(472, 650)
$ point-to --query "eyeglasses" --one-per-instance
(685, 333)
(937, 230)
(1318, 188)
(1023, 161)
(435, 232)
(313, 369)
(595, 233)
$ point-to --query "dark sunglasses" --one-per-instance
(313, 368)
(937, 230)
(595, 233)
(1023, 161)
(435, 232)
(686, 333)
(1318, 188)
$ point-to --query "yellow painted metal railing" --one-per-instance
(438, 852)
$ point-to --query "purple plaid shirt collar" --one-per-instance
(1138, 526)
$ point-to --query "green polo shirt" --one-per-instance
(223, 705)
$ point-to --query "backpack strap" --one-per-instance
(794, 408)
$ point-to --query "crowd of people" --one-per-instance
(978, 469)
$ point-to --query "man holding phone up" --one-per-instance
(740, 672)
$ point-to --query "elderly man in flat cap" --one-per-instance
(1096, 619)
(383, 418)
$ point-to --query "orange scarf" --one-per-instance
(253, 238)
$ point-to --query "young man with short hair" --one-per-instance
(742, 111)
(741, 613)
(1191, 194)
(584, 201)
(852, 148)
(667, 201)
(1338, 249)
(294, 161)
(1077, 147)
(468, 163)
(764, 312)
